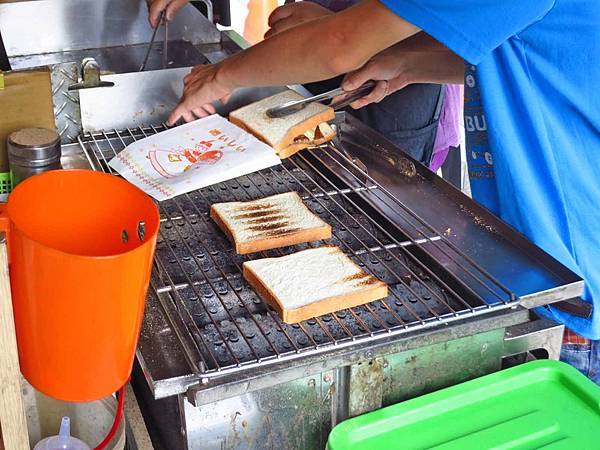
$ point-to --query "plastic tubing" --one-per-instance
(118, 416)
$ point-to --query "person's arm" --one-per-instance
(312, 51)
(293, 14)
(418, 59)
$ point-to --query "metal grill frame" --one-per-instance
(203, 360)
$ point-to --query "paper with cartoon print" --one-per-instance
(192, 156)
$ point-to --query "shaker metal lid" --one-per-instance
(39, 146)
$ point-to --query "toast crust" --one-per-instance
(292, 133)
(295, 148)
(375, 291)
(320, 233)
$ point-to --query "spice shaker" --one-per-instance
(32, 151)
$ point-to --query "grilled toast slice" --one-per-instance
(312, 282)
(289, 134)
(270, 222)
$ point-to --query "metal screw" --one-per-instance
(369, 354)
(141, 230)
(312, 382)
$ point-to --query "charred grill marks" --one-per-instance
(262, 220)
(270, 226)
(266, 220)
(361, 279)
(256, 214)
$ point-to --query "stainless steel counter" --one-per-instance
(45, 32)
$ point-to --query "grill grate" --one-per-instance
(224, 326)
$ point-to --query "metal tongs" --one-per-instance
(294, 106)
(161, 21)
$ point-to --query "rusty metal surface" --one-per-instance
(264, 377)
(299, 413)
(295, 415)
(427, 369)
(365, 386)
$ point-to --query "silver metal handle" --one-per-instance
(351, 96)
(296, 105)
(160, 21)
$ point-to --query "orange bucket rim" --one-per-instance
(115, 178)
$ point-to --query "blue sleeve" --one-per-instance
(471, 28)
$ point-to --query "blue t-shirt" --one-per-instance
(538, 71)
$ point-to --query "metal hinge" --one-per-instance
(90, 76)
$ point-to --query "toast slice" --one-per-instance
(289, 134)
(320, 135)
(312, 282)
(270, 222)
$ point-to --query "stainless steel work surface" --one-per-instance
(51, 32)
(223, 325)
(122, 59)
(152, 104)
(57, 26)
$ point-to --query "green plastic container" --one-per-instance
(5, 184)
(545, 404)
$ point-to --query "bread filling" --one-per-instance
(322, 131)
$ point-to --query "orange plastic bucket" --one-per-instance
(80, 248)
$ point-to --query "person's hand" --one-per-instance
(388, 68)
(395, 68)
(201, 87)
(292, 14)
(155, 7)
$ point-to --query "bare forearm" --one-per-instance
(318, 49)
(416, 60)
(435, 67)
(421, 41)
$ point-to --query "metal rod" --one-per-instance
(196, 331)
(275, 318)
(408, 307)
(160, 21)
(377, 317)
(371, 242)
(279, 250)
(431, 228)
(413, 258)
(165, 52)
(187, 315)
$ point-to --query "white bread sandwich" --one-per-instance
(289, 134)
(312, 282)
(270, 222)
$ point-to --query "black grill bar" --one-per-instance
(458, 253)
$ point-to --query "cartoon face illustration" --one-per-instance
(169, 163)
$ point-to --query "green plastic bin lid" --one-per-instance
(541, 404)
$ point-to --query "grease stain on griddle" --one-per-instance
(478, 220)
